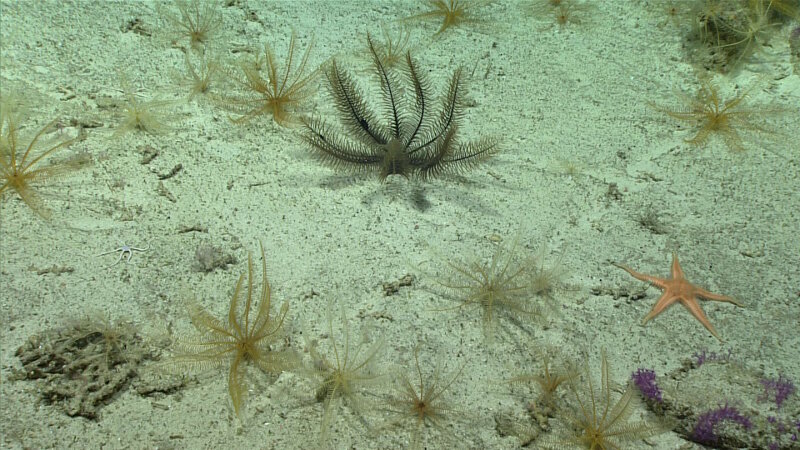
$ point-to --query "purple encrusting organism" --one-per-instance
(705, 356)
(779, 428)
(703, 431)
(645, 380)
(781, 387)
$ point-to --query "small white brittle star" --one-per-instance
(123, 250)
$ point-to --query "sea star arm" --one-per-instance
(677, 272)
(700, 292)
(698, 313)
(665, 300)
(655, 281)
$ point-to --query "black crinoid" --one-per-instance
(406, 136)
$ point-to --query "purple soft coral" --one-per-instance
(781, 387)
(703, 431)
(705, 356)
(645, 380)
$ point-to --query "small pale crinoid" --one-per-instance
(502, 285)
(547, 380)
(138, 115)
(248, 336)
(454, 13)
(279, 92)
(342, 376)
(406, 136)
(22, 166)
(197, 20)
(599, 423)
(731, 119)
(419, 404)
